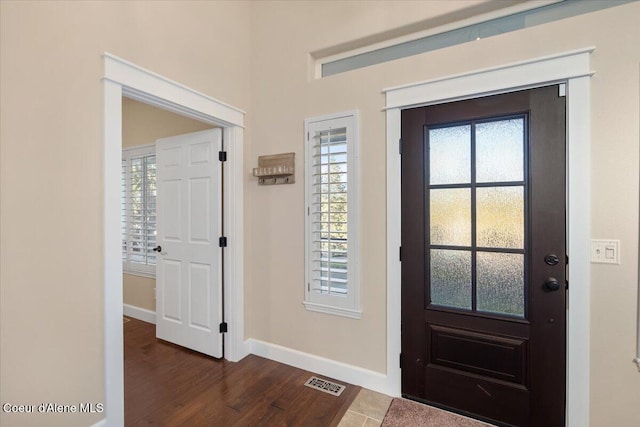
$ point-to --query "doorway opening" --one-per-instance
(123, 78)
(142, 125)
(171, 225)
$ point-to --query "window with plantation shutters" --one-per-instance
(332, 276)
(138, 207)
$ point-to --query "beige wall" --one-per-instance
(254, 55)
(280, 77)
(51, 110)
(143, 124)
(275, 259)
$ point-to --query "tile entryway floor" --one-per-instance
(367, 410)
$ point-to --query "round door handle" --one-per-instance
(157, 249)
(552, 284)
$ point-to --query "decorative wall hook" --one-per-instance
(276, 169)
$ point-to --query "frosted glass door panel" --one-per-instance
(500, 151)
(450, 216)
(476, 215)
(500, 217)
(451, 278)
(450, 155)
(500, 283)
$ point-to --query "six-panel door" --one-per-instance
(188, 269)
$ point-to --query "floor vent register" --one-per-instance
(332, 388)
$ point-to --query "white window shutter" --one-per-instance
(139, 210)
(332, 276)
(329, 210)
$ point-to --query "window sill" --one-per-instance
(336, 311)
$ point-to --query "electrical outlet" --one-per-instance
(605, 251)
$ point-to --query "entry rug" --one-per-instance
(405, 413)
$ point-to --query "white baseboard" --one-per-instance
(139, 313)
(101, 423)
(319, 365)
(322, 366)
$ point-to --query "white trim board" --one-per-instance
(320, 365)
(574, 69)
(139, 313)
(505, 78)
(123, 78)
(146, 86)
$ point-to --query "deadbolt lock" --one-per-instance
(551, 259)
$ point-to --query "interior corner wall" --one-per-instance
(51, 173)
(143, 124)
(283, 95)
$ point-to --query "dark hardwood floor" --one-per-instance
(167, 385)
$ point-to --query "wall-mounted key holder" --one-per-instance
(276, 169)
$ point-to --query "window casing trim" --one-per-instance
(349, 305)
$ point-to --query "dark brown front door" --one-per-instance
(483, 257)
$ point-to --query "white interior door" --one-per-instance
(188, 269)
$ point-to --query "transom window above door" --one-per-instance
(477, 204)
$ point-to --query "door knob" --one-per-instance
(157, 249)
(552, 284)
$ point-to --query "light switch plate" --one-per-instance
(605, 251)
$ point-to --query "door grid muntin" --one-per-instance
(473, 185)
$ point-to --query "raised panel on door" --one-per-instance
(489, 355)
(200, 300)
(199, 210)
(200, 154)
(171, 291)
(171, 213)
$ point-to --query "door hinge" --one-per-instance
(400, 146)
(566, 259)
(223, 327)
(400, 253)
(566, 285)
(222, 156)
(400, 360)
(222, 242)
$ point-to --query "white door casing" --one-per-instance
(189, 223)
(123, 78)
(574, 69)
